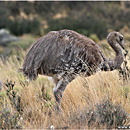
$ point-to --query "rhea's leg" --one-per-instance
(58, 93)
(59, 89)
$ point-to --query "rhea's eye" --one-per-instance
(121, 38)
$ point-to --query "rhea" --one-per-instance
(65, 54)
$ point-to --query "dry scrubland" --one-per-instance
(99, 101)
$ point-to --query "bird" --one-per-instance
(65, 54)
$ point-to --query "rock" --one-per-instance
(6, 37)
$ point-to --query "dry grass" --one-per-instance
(80, 98)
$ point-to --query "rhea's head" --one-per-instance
(116, 38)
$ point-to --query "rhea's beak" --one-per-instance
(121, 44)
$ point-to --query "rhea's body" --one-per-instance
(63, 51)
(64, 54)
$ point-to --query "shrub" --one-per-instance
(12, 95)
(9, 119)
(81, 25)
(9, 113)
(105, 114)
(21, 26)
(83, 118)
(110, 114)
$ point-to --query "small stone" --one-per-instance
(52, 127)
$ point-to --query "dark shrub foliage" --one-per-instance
(19, 27)
(105, 114)
(82, 16)
(10, 113)
(110, 114)
(12, 95)
(83, 118)
(86, 26)
(9, 119)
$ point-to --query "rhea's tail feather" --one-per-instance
(29, 74)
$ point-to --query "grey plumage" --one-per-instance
(64, 54)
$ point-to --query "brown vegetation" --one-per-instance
(87, 102)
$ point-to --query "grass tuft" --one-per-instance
(99, 101)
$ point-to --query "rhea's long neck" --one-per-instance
(119, 58)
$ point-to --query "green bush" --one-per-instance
(104, 113)
(9, 119)
(85, 26)
(19, 27)
(110, 114)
